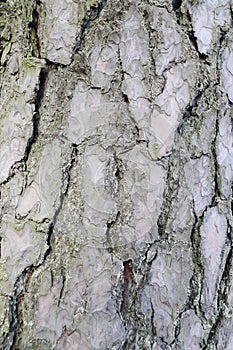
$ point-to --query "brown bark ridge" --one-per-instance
(116, 167)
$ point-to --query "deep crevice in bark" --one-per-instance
(176, 4)
(196, 280)
(63, 285)
(91, 16)
(188, 30)
(190, 111)
(193, 41)
(34, 35)
(171, 191)
(36, 116)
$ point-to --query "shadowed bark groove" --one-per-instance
(39, 94)
(91, 16)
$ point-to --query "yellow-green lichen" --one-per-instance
(91, 3)
(32, 62)
(18, 227)
(155, 148)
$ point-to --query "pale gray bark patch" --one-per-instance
(116, 175)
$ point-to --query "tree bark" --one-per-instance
(116, 169)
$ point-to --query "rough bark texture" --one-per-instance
(116, 169)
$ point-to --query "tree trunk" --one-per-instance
(116, 169)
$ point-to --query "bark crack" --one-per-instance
(135, 276)
(128, 278)
(62, 287)
(21, 284)
(196, 281)
(222, 298)
(126, 100)
(190, 111)
(170, 193)
(39, 95)
(217, 190)
(34, 35)
(36, 116)
(91, 16)
(176, 4)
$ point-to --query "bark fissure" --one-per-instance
(222, 296)
(198, 270)
(190, 111)
(39, 94)
(174, 173)
(21, 284)
(176, 4)
(34, 38)
(36, 115)
(91, 16)
(126, 100)
(127, 280)
(217, 191)
(171, 191)
(195, 285)
(62, 287)
(135, 277)
(196, 282)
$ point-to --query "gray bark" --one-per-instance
(116, 169)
